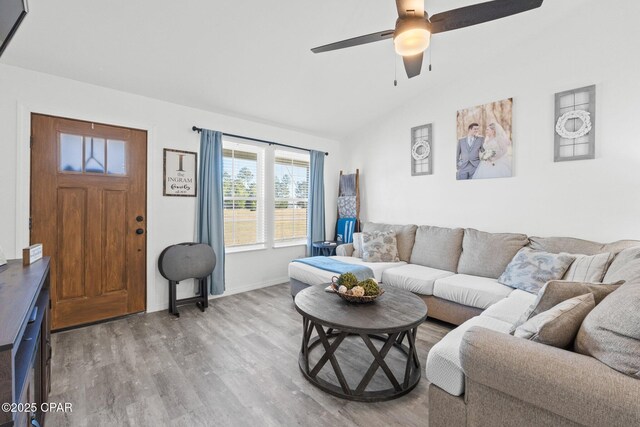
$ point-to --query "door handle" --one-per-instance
(139, 231)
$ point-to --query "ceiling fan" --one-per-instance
(414, 27)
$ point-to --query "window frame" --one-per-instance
(236, 144)
(279, 243)
(265, 199)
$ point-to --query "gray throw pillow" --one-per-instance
(589, 268)
(625, 266)
(487, 254)
(556, 291)
(379, 246)
(405, 236)
(558, 326)
(529, 270)
(437, 247)
(611, 332)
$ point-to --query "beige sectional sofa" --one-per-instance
(479, 374)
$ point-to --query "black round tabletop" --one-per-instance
(395, 310)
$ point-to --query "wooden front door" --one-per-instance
(88, 209)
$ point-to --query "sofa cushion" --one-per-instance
(589, 268)
(578, 246)
(414, 278)
(405, 235)
(610, 332)
(474, 291)
(315, 276)
(438, 247)
(559, 325)
(487, 254)
(625, 266)
(443, 362)
(529, 270)
(512, 308)
(379, 246)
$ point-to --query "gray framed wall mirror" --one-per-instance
(575, 124)
(422, 150)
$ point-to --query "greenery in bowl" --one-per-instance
(348, 280)
(370, 287)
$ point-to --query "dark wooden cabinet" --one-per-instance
(25, 342)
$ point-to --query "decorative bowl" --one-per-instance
(356, 299)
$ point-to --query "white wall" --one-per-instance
(170, 219)
(593, 199)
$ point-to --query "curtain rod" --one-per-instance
(197, 129)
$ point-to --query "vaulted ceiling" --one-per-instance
(251, 58)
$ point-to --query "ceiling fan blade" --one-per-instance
(413, 64)
(369, 38)
(409, 8)
(479, 13)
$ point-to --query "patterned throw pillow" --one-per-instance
(379, 246)
(529, 270)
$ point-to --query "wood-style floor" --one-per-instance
(234, 365)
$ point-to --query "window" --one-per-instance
(265, 195)
(87, 154)
(291, 191)
(243, 195)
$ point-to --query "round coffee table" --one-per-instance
(392, 319)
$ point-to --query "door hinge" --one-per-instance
(31, 140)
(30, 223)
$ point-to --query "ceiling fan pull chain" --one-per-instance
(430, 50)
(395, 70)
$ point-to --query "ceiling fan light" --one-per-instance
(412, 41)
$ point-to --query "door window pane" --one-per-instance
(93, 155)
(70, 153)
(116, 157)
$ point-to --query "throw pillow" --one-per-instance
(589, 268)
(487, 254)
(556, 291)
(558, 326)
(529, 270)
(380, 246)
(405, 236)
(357, 245)
(437, 247)
(625, 266)
(610, 333)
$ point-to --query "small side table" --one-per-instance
(324, 248)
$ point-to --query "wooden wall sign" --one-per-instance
(180, 173)
(32, 254)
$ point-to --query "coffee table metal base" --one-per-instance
(399, 387)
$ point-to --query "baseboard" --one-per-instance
(251, 287)
(235, 290)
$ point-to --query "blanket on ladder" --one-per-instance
(362, 272)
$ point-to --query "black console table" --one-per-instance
(25, 341)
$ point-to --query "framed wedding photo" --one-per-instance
(180, 173)
(484, 141)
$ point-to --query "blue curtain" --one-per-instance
(315, 211)
(210, 227)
